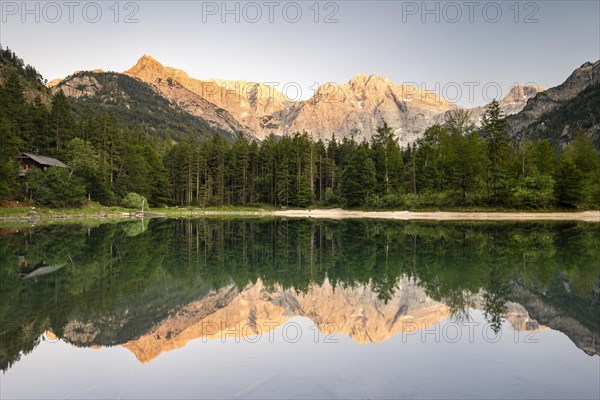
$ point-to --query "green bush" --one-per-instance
(332, 198)
(8, 174)
(56, 188)
(393, 201)
(429, 199)
(375, 200)
(134, 200)
(533, 192)
(570, 189)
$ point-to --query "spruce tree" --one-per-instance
(358, 177)
(497, 143)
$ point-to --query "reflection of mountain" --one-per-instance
(562, 312)
(353, 311)
(356, 312)
(152, 290)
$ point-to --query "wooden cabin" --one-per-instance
(30, 160)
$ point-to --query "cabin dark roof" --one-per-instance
(43, 160)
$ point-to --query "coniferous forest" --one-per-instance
(455, 165)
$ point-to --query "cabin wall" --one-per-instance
(27, 164)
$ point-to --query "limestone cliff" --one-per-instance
(244, 106)
(357, 108)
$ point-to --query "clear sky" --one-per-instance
(453, 48)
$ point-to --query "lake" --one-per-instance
(276, 308)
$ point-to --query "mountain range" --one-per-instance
(352, 109)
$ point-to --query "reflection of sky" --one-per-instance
(404, 366)
(385, 38)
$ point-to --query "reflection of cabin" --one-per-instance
(30, 160)
(27, 271)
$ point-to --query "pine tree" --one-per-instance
(8, 166)
(587, 160)
(387, 159)
(62, 123)
(497, 142)
(358, 177)
(160, 191)
(569, 184)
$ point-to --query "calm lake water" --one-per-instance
(244, 308)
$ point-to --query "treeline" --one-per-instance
(454, 165)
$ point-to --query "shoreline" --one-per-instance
(586, 216)
(335, 214)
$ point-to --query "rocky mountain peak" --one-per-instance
(522, 92)
(582, 77)
(146, 67)
(514, 102)
(55, 82)
(147, 61)
(361, 105)
(586, 75)
(588, 66)
(149, 69)
(360, 77)
(366, 79)
(517, 97)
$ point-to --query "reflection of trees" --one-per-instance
(496, 291)
(501, 261)
(125, 278)
(460, 302)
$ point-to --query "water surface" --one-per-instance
(295, 308)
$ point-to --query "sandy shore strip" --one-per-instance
(338, 213)
(335, 213)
